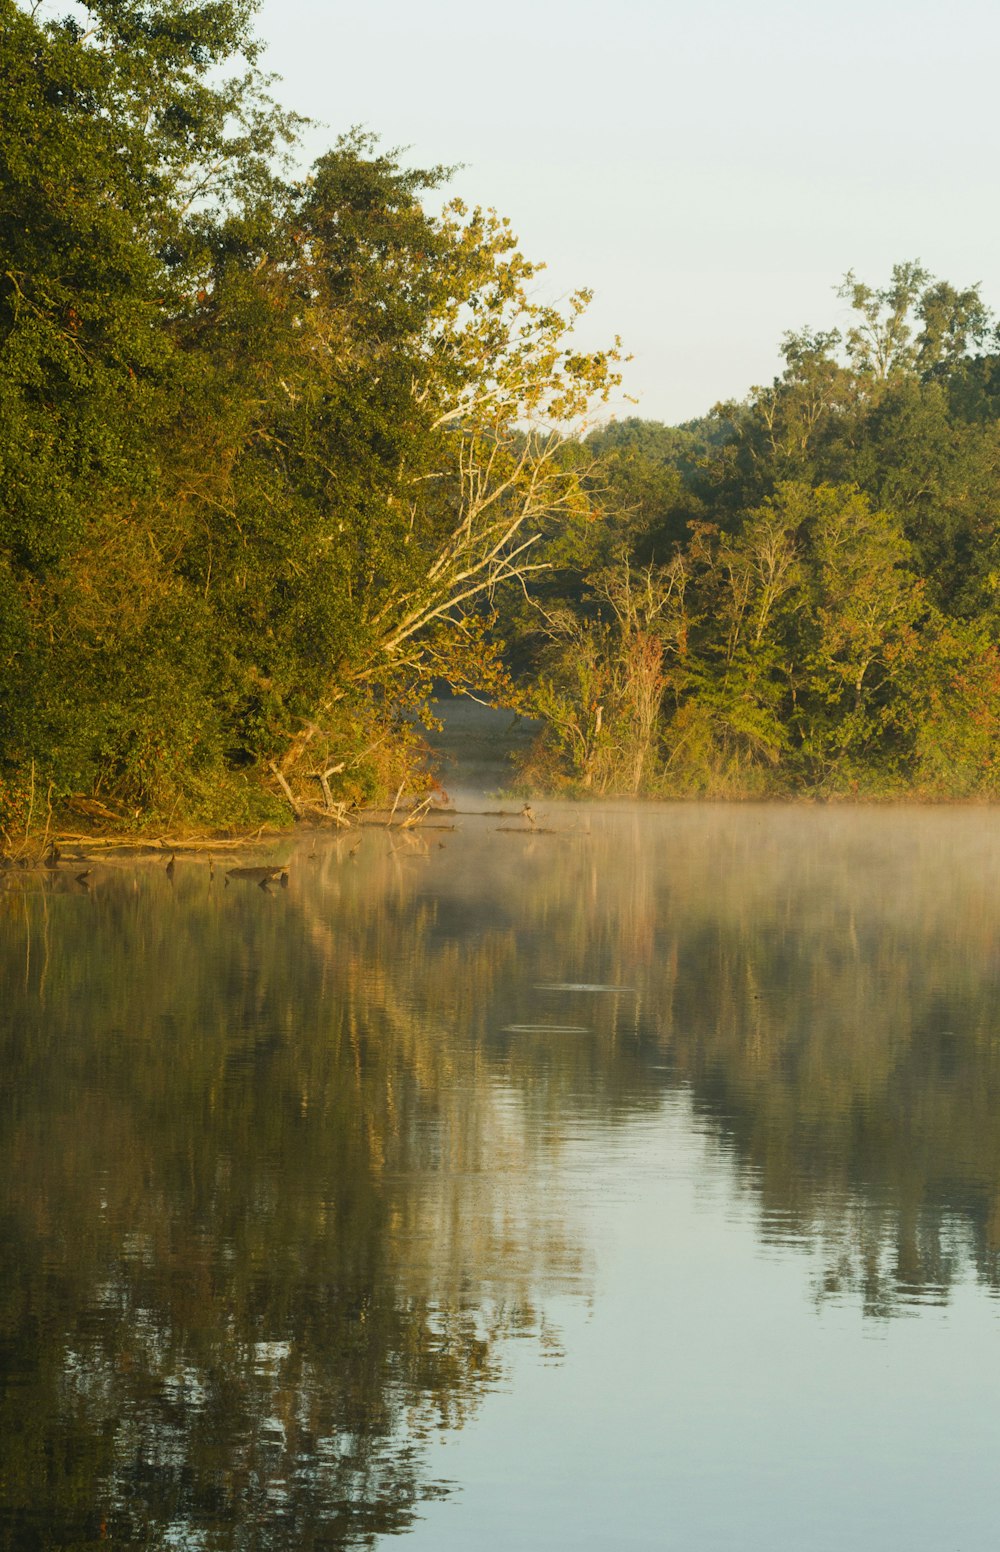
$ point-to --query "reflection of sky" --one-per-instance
(711, 170)
(706, 1402)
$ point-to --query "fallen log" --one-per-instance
(259, 876)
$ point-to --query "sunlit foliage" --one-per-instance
(269, 444)
(805, 583)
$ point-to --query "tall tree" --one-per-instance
(124, 150)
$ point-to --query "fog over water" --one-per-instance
(626, 1177)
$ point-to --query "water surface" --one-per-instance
(636, 1184)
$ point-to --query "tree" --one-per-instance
(866, 608)
(602, 678)
(122, 146)
(269, 448)
(410, 507)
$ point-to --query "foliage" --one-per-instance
(279, 453)
(829, 553)
(268, 446)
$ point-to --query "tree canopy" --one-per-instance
(279, 452)
(270, 443)
(804, 582)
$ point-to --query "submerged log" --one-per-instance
(260, 876)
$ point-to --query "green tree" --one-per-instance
(123, 144)
(270, 449)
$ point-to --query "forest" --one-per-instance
(285, 454)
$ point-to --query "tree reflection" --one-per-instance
(824, 985)
(253, 1250)
(834, 1013)
(283, 1173)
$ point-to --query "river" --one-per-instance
(618, 1177)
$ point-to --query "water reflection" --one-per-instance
(284, 1173)
(252, 1251)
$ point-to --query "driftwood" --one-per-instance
(260, 876)
(154, 845)
(533, 830)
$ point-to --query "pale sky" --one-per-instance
(711, 170)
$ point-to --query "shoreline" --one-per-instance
(473, 752)
(36, 852)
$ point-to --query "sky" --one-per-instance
(710, 169)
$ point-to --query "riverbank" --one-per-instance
(471, 759)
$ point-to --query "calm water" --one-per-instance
(633, 1185)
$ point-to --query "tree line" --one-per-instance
(269, 443)
(282, 452)
(797, 592)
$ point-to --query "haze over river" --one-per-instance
(629, 1181)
